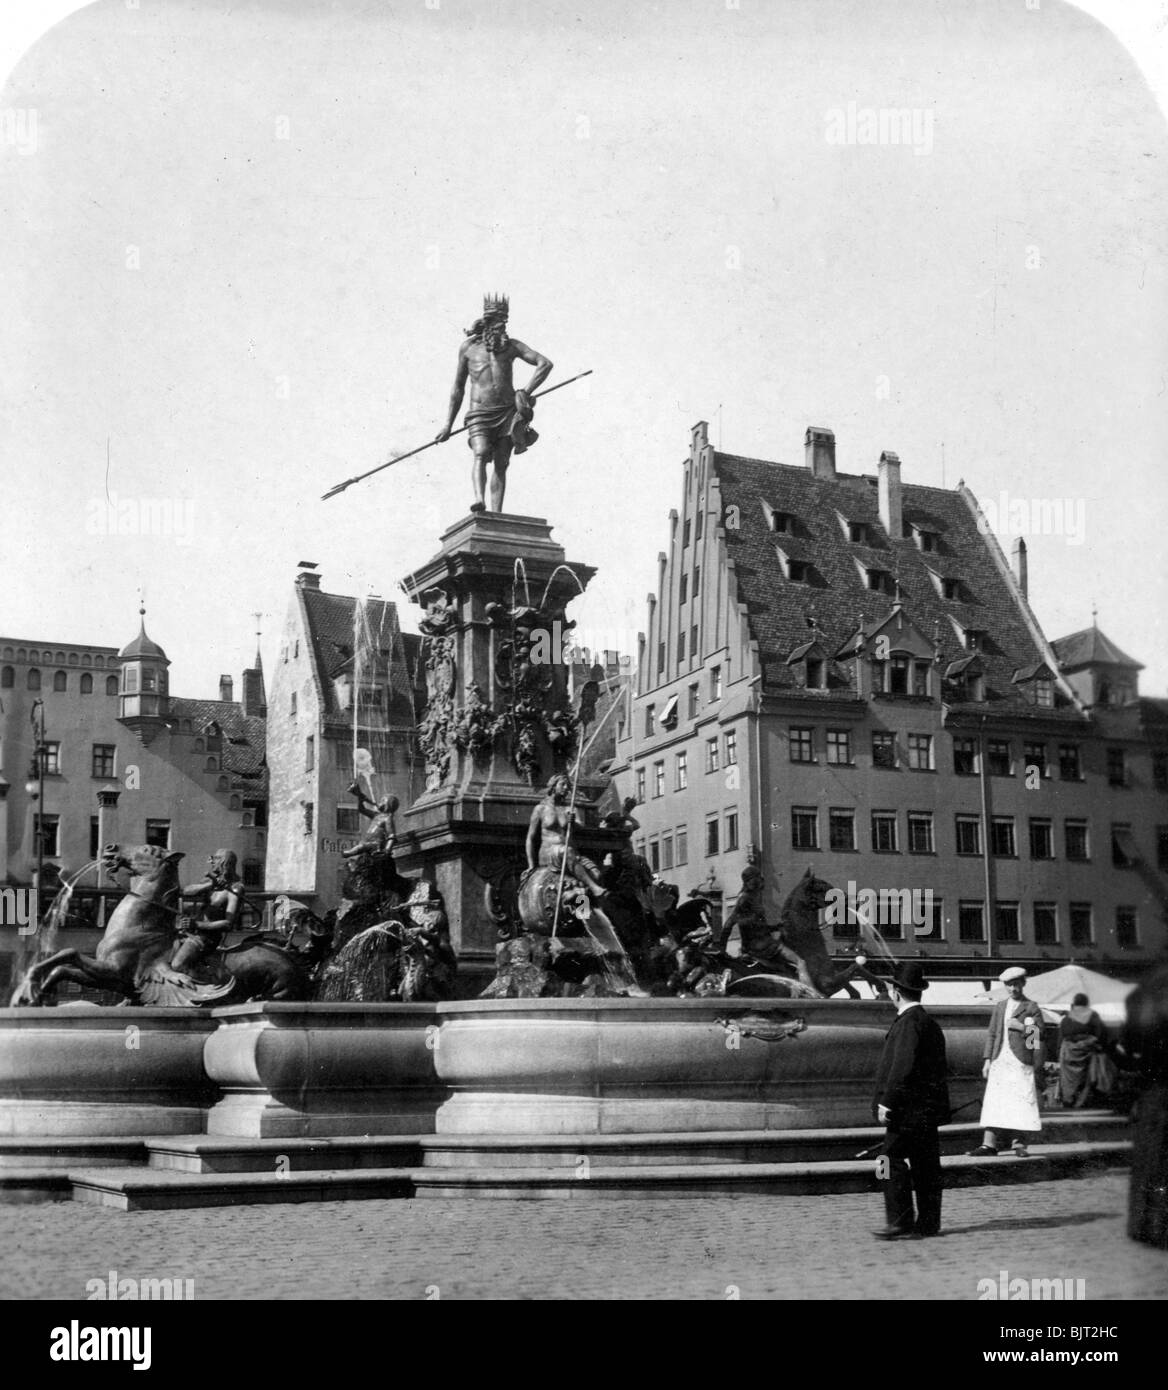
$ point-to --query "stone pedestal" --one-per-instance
(500, 718)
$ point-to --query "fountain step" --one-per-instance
(152, 1190)
(155, 1190)
(202, 1153)
(70, 1151)
(1047, 1162)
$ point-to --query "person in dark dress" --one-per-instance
(911, 1101)
(1145, 1041)
(1082, 1053)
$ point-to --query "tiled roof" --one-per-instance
(780, 609)
(244, 738)
(330, 627)
(1088, 647)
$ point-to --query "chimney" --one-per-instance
(1021, 568)
(888, 492)
(226, 688)
(308, 578)
(819, 451)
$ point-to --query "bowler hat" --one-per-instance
(909, 974)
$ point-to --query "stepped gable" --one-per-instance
(330, 628)
(244, 752)
(779, 609)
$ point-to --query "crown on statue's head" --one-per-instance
(496, 306)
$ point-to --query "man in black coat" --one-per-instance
(911, 1100)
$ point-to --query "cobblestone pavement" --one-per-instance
(623, 1248)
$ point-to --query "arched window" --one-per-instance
(224, 784)
(199, 745)
(236, 802)
(72, 658)
(60, 681)
(211, 765)
(7, 678)
(34, 679)
(111, 685)
(86, 659)
(86, 683)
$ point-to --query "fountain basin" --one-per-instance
(80, 1070)
(314, 1070)
(629, 1066)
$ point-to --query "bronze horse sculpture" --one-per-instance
(133, 957)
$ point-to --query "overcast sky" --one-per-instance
(241, 245)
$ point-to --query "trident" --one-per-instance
(421, 449)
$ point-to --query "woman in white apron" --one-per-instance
(1013, 1062)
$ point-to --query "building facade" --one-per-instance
(842, 673)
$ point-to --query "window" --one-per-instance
(7, 678)
(1034, 755)
(1076, 837)
(951, 589)
(1002, 837)
(934, 919)
(310, 752)
(998, 758)
(48, 827)
(667, 850)
(1006, 922)
(253, 873)
(650, 719)
(858, 532)
(798, 571)
(86, 683)
(815, 675)
(1070, 767)
(211, 765)
(34, 679)
(683, 591)
(801, 746)
(841, 829)
(926, 540)
(660, 657)
(898, 674)
(971, 921)
(968, 835)
(1041, 839)
(922, 677)
(52, 759)
(1160, 771)
(158, 833)
(697, 584)
(60, 682)
(699, 524)
(884, 832)
(681, 772)
(681, 840)
(730, 829)
(730, 747)
(348, 820)
(1045, 924)
(965, 757)
(715, 682)
(920, 832)
(685, 533)
(94, 836)
(655, 855)
(884, 750)
(974, 639)
(309, 816)
(1116, 768)
(103, 759)
(1126, 933)
(1124, 854)
(1082, 930)
(849, 928)
(711, 754)
(668, 718)
(681, 647)
(712, 834)
(111, 685)
(659, 778)
(839, 747)
(292, 705)
(640, 786)
(1044, 692)
(783, 523)
(920, 752)
(694, 699)
(148, 679)
(693, 642)
(804, 827)
(880, 581)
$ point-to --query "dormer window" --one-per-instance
(926, 540)
(816, 674)
(951, 589)
(879, 581)
(974, 639)
(1044, 692)
(797, 571)
(858, 533)
(783, 523)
